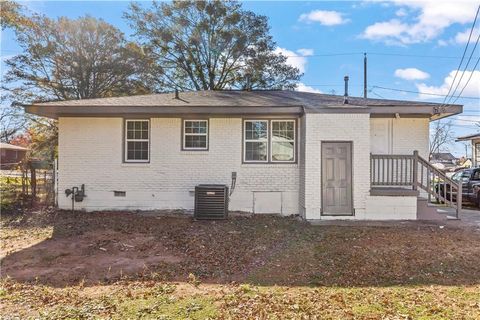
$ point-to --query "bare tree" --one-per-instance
(68, 59)
(12, 118)
(441, 135)
(209, 45)
(65, 59)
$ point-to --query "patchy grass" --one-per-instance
(10, 189)
(355, 303)
(143, 300)
(12, 198)
(59, 265)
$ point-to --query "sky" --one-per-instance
(414, 47)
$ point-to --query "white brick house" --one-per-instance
(293, 152)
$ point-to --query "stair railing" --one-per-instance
(412, 171)
(437, 184)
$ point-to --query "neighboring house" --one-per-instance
(475, 143)
(294, 152)
(11, 155)
(444, 158)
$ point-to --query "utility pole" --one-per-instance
(365, 75)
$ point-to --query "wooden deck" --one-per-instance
(411, 175)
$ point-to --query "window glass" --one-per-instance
(256, 140)
(464, 174)
(283, 140)
(476, 175)
(195, 134)
(256, 130)
(137, 141)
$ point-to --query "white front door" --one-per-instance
(380, 135)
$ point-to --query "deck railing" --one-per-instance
(412, 171)
(391, 170)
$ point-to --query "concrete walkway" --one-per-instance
(468, 218)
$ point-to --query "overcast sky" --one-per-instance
(412, 46)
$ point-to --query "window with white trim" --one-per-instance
(477, 154)
(195, 134)
(283, 140)
(255, 141)
(137, 143)
(269, 141)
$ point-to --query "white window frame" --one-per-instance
(476, 157)
(136, 140)
(294, 140)
(250, 140)
(194, 134)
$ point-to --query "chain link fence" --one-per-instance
(27, 184)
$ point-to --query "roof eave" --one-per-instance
(429, 111)
(54, 112)
(467, 138)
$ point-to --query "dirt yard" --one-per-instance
(127, 265)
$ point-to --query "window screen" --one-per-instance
(256, 141)
(137, 141)
(195, 134)
(283, 140)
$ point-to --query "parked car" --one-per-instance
(470, 179)
(476, 190)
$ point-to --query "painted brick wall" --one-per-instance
(336, 127)
(475, 152)
(400, 136)
(302, 166)
(411, 134)
(90, 152)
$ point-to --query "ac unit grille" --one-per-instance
(211, 201)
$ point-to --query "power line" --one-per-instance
(333, 54)
(464, 70)
(469, 78)
(418, 92)
(469, 121)
(378, 95)
(373, 53)
(411, 55)
(463, 55)
(323, 55)
(332, 85)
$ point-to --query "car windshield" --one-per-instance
(461, 175)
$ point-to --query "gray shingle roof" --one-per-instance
(237, 103)
(445, 156)
(237, 98)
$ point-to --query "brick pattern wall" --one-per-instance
(90, 152)
(411, 134)
(302, 166)
(400, 136)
